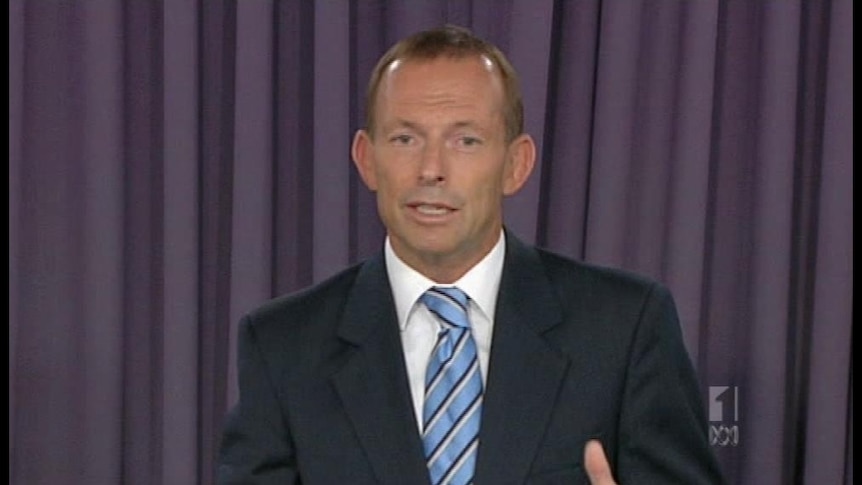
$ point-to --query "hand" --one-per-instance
(597, 465)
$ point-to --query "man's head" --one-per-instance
(456, 43)
(442, 148)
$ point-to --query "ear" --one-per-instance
(522, 158)
(363, 157)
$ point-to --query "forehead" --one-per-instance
(473, 78)
(475, 59)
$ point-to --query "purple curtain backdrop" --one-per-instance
(172, 165)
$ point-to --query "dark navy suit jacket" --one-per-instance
(578, 352)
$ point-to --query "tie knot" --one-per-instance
(448, 303)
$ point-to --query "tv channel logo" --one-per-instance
(724, 415)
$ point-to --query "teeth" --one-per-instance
(431, 210)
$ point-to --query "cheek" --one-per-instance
(494, 182)
(487, 193)
(390, 186)
(394, 169)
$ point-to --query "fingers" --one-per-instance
(596, 464)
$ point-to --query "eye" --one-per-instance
(468, 142)
(401, 139)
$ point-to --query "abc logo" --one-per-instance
(723, 415)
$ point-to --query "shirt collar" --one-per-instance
(481, 282)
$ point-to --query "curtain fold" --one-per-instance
(180, 253)
(217, 64)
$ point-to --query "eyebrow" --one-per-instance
(402, 123)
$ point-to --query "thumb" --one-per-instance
(597, 465)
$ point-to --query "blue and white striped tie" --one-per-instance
(453, 392)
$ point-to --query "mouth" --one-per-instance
(430, 210)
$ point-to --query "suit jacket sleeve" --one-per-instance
(663, 429)
(256, 444)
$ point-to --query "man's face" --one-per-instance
(439, 162)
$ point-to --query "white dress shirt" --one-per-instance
(419, 326)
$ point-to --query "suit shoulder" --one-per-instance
(573, 275)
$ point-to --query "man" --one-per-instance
(460, 354)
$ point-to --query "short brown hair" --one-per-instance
(456, 42)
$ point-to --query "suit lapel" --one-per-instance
(524, 372)
(373, 383)
(524, 376)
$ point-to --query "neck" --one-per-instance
(445, 268)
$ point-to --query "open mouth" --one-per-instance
(432, 210)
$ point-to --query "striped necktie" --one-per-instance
(453, 392)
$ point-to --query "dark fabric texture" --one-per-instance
(578, 352)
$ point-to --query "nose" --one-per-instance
(432, 165)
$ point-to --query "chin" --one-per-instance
(431, 249)
(427, 248)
